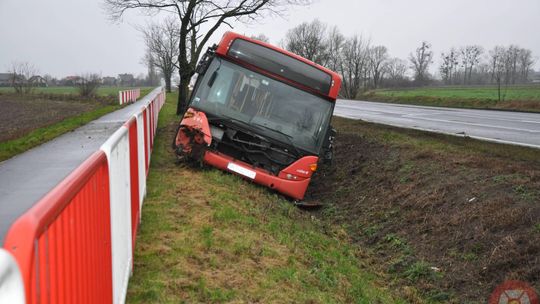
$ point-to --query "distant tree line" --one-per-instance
(23, 78)
(362, 64)
(472, 65)
(365, 66)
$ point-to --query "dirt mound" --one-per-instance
(450, 218)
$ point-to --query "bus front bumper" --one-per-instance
(295, 189)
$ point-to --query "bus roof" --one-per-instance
(314, 83)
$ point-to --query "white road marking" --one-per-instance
(477, 124)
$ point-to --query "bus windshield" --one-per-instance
(231, 91)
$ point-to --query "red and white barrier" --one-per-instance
(77, 242)
(63, 243)
(11, 284)
(117, 150)
(141, 155)
(128, 96)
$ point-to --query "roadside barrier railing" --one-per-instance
(117, 150)
(76, 243)
(11, 284)
(63, 243)
(128, 96)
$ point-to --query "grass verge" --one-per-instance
(520, 98)
(210, 237)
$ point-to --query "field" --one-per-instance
(409, 217)
(210, 237)
(102, 91)
(484, 97)
(29, 120)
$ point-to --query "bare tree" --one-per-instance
(335, 43)
(261, 37)
(88, 84)
(512, 55)
(309, 41)
(152, 77)
(470, 57)
(526, 61)
(191, 15)
(501, 65)
(396, 70)
(420, 61)
(22, 77)
(162, 41)
(354, 65)
(449, 64)
(378, 60)
(50, 80)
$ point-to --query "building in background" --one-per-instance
(5, 79)
(109, 81)
(126, 80)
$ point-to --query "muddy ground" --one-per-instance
(21, 114)
(444, 217)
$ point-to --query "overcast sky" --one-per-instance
(69, 37)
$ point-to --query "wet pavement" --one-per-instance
(517, 128)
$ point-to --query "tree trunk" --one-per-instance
(499, 89)
(168, 83)
(183, 92)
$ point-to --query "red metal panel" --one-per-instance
(134, 176)
(63, 243)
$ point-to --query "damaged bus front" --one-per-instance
(260, 112)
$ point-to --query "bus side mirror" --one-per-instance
(205, 60)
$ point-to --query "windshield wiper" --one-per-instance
(285, 135)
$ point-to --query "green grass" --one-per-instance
(102, 91)
(210, 237)
(487, 92)
(13, 147)
(515, 97)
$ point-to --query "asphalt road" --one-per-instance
(516, 128)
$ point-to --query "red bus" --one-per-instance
(260, 112)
